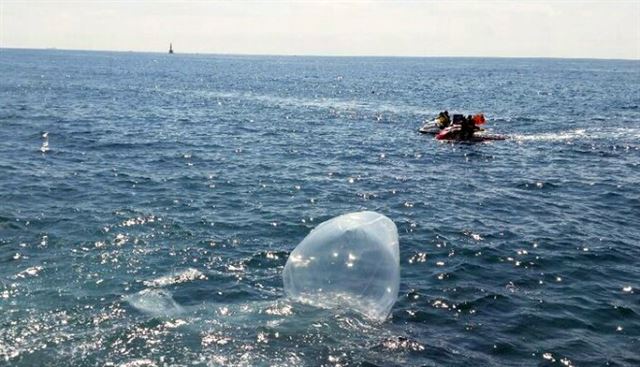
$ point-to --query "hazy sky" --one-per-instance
(599, 29)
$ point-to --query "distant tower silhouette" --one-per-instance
(170, 48)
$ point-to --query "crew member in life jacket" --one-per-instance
(468, 128)
(443, 119)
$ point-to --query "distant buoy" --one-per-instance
(170, 48)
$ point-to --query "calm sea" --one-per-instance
(148, 203)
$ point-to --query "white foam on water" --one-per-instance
(29, 272)
(45, 142)
(157, 302)
(582, 134)
(176, 278)
(139, 363)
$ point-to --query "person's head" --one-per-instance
(446, 112)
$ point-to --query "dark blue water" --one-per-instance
(148, 204)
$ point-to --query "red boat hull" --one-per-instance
(453, 134)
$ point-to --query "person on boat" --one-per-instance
(479, 119)
(446, 117)
(457, 119)
(443, 119)
(467, 128)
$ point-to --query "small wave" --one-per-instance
(29, 272)
(154, 302)
(185, 276)
(400, 343)
(537, 185)
(267, 259)
(139, 220)
(139, 363)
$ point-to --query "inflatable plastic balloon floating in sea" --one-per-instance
(349, 261)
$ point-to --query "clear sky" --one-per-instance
(560, 28)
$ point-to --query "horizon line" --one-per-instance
(318, 55)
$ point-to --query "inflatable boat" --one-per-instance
(452, 133)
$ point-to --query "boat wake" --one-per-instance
(329, 103)
(622, 133)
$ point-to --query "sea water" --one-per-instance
(149, 202)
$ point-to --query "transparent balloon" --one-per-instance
(349, 261)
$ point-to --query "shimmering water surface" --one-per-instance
(148, 203)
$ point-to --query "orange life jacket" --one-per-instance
(479, 119)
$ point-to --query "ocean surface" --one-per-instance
(148, 204)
